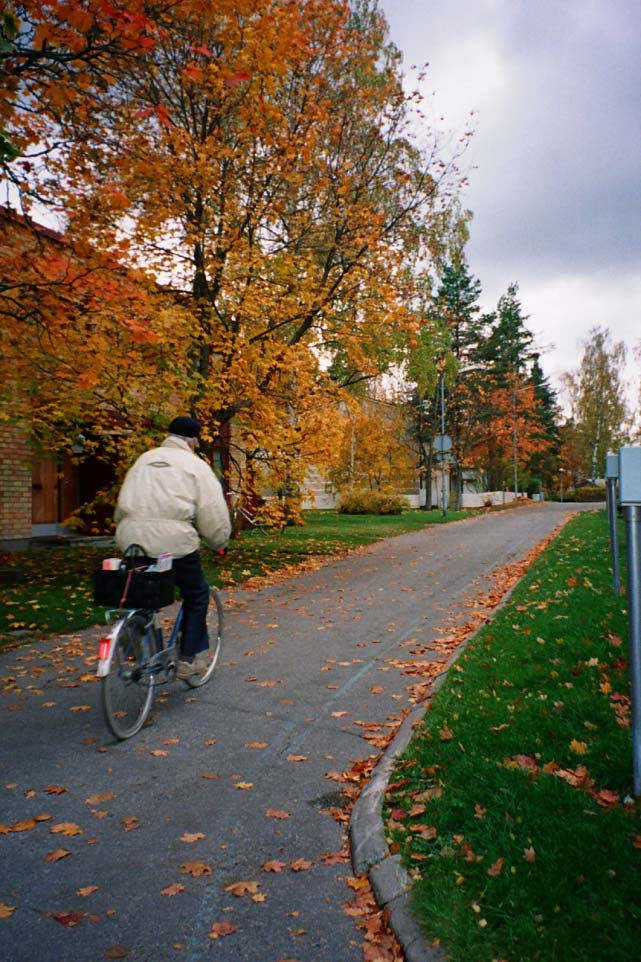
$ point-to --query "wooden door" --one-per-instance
(45, 487)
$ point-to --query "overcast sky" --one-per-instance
(554, 165)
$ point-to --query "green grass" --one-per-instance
(56, 595)
(514, 862)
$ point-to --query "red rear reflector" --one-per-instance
(103, 650)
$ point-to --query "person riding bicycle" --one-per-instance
(169, 500)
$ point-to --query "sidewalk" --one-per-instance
(226, 815)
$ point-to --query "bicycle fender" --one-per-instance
(106, 652)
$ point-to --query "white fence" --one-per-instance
(486, 498)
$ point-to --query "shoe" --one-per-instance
(187, 669)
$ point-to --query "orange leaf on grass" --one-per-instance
(495, 870)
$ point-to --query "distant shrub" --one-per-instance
(589, 493)
(371, 502)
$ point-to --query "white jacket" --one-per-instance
(169, 499)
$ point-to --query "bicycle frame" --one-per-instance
(159, 657)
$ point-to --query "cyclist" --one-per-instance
(169, 500)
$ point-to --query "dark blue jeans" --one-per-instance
(194, 589)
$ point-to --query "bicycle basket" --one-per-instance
(134, 586)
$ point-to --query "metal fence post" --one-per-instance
(632, 515)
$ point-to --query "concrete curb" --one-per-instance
(389, 880)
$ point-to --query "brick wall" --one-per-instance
(15, 484)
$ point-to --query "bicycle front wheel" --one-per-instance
(209, 658)
(128, 689)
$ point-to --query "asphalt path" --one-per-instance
(135, 849)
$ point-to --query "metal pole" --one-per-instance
(611, 498)
(442, 435)
(632, 515)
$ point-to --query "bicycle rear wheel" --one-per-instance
(209, 658)
(128, 689)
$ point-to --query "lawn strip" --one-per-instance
(511, 805)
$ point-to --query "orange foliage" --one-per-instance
(256, 161)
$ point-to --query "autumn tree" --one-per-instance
(598, 407)
(374, 452)
(257, 161)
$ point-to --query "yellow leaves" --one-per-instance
(579, 748)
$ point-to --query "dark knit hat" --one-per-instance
(185, 427)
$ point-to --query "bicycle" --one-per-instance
(244, 519)
(133, 658)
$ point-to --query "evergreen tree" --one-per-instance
(457, 310)
(543, 465)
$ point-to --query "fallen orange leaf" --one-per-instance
(220, 929)
(191, 837)
(173, 889)
(300, 865)
(6, 911)
(242, 888)
(66, 828)
(104, 797)
(70, 919)
(277, 813)
(87, 890)
(275, 866)
(57, 855)
(195, 869)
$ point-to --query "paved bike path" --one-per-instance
(134, 850)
